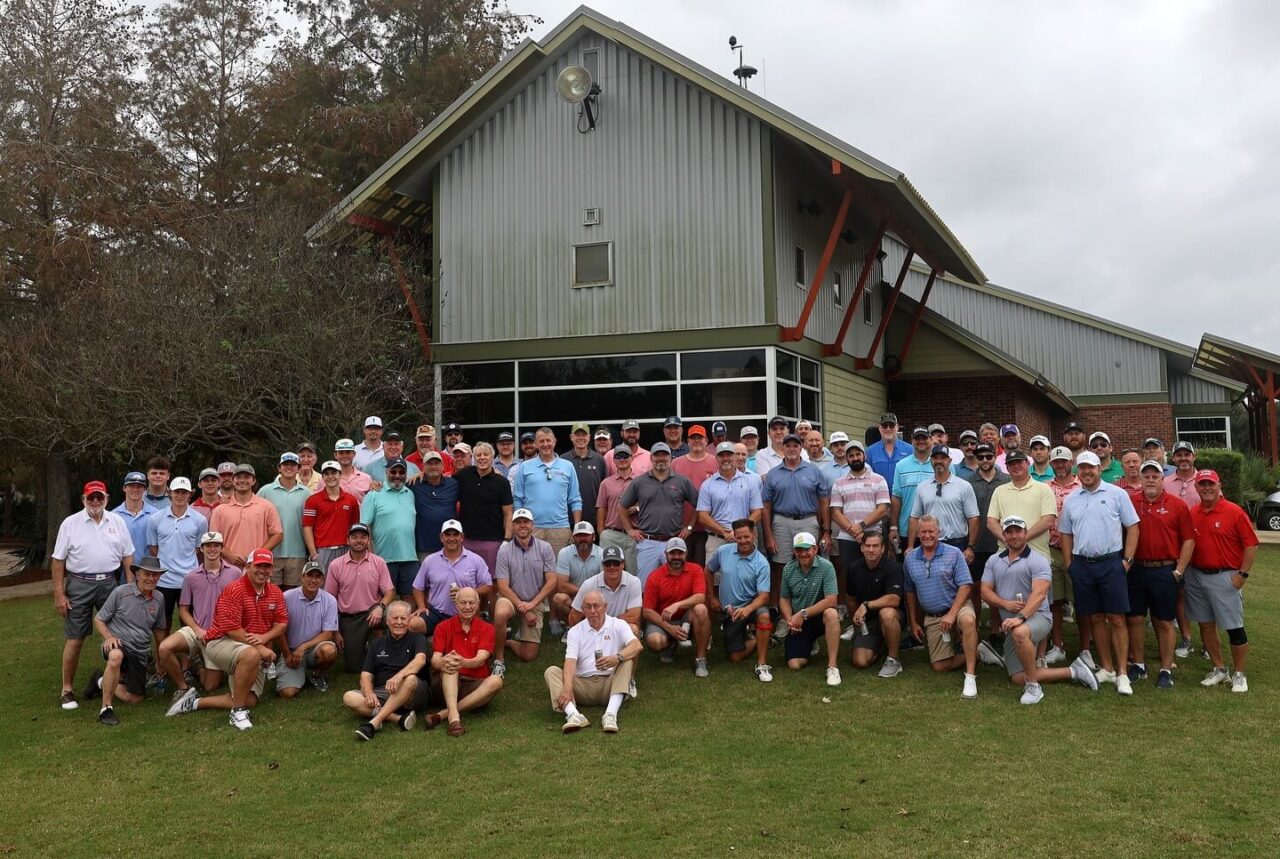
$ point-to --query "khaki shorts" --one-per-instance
(557, 537)
(939, 649)
(221, 653)
(1062, 591)
(521, 631)
(287, 572)
(195, 643)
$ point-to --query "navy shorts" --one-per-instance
(1100, 587)
(1153, 589)
(799, 644)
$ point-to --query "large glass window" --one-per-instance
(799, 388)
(472, 377)
(724, 399)
(1205, 432)
(488, 408)
(609, 370)
(723, 364)
(605, 402)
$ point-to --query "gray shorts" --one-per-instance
(295, 678)
(784, 531)
(86, 597)
(1039, 626)
(1211, 598)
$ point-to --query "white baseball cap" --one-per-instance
(837, 437)
(522, 513)
(1060, 452)
(675, 544)
(451, 525)
(584, 528)
(803, 540)
(373, 421)
(179, 483)
(1088, 457)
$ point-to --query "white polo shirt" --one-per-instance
(366, 454)
(87, 546)
(610, 638)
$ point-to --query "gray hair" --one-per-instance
(483, 446)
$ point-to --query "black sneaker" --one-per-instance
(910, 642)
(1165, 680)
(92, 689)
(996, 640)
(108, 717)
(366, 731)
(1137, 672)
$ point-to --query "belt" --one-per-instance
(93, 577)
(1213, 571)
(1169, 563)
(936, 613)
(616, 530)
(350, 614)
(795, 518)
(658, 536)
(1098, 559)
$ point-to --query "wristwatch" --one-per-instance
(1128, 562)
(804, 613)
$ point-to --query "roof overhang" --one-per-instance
(1247, 366)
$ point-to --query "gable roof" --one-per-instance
(377, 196)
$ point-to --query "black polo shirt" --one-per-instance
(865, 584)
(480, 503)
(388, 655)
(591, 472)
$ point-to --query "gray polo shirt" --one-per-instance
(569, 563)
(983, 490)
(661, 502)
(525, 568)
(1013, 575)
(131, 617)
(952, 508)
(628, 595)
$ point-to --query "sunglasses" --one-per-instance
(983, 456)
(96, 496)
(1099, 444)
(938, 489)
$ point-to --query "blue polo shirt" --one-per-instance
(392, 517)
(378, 470)
(176, 540)
(137, 525)
(936, 583)
(729, 500)
(884, 463)
(795, 491)
(288, 503)
(832, 471)
(742, 579)
(1096, 519)
(908, 474)
(962, 471)
(548, 490)
(433, 505)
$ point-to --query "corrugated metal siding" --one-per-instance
(851, 402)
(1184, 390)
(676, 174)
(1080, 359)
(935, 353)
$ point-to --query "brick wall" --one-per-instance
(1128, 424)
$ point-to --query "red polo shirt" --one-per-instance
(662, 589)
(241, 607)
(330, 517)
(449, 635)
(1165, 525)
(1222, 535)
(446, 461)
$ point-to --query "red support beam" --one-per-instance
(867, 361)
(796, 332)
(388, 232)
(868, 262)
(915, 322)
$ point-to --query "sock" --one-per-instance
(103, 710)
(99, 682)
(1141, 665)
(615, 704)
(571, 709)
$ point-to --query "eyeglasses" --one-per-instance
(1099, 445)
(887, 426)
(968, 443)
(96, 496)
(983, 456)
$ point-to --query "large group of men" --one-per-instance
(423, 574)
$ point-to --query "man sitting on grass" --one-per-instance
(390, 690)
(126, 623)
(309, 640)
(462, 646)
(599, 658)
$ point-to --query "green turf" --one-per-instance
(720, 767)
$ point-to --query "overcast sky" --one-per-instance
(1121, 158)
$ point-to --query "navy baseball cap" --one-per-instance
(135, 477)
(673, 421)
(718, 428)
(940, 450)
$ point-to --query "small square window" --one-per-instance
(593, 264)
(837, 287)
(802, 276)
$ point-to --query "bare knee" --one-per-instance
(289, 692)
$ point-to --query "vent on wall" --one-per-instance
(590, 217)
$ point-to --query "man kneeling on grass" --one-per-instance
(310, 646)
(390, 690)
(126, 623)
(599, 658)
(938, 584)
(1017, 581)
(808, 606)
(462, 646)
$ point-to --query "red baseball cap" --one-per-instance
(95, 486)
(261, 556)
(1207, 474)
(697, 429)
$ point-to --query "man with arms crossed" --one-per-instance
(461, 648)
(599, 658)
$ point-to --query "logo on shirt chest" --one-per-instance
(271, 606)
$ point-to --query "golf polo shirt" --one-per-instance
(525, 567)
(437, 573)
(1096, 520)
(330, 518)
(392, 517)
(176, 539)
(450, 636)
(806, 589)
(132, 617)
(1222, 535)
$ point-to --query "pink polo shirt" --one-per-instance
(611, 489)
(358, 484)
(357, 585)
(640, 462)
(246, 526)
(1183, 489)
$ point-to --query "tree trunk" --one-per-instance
(57, 498)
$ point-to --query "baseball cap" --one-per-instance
(697, 429)
(179, 483)
(246, 468)
(940, 450)
(933, 428)
(888, 418)
(358, 528)
(95, 486)
(207, 472)
(1151, 463)
(522, 513)
(506, 436)
(312, 567)
(858, 445)
(1038, 439)
(603, 432)
(462, 446)
(777, 420)
(660, 447)
(330, 465)
(308, 445)
(968, 434)
(719, 428)
(673, 421)
(259, 557)
(984, 448)
(837, 437)
(1088, 457)
(803, 540)
(1072, 426)
(135, 477)
(725, 447)
(397, 463)
(226, 468)
(920, 432)
(451, 525)
(431, 456)
(425, 431)
(1012, 522)
(1100, 434)
(150, 563)
(344, 444)
(622, 451)
(612, 554)
(626, 425)
(675, 544)
(584, 528)
(748, 430)
(580, 426)
(1009, 429)
(1060, 452)
(1207, 475)
(527, 436)
(452, 427)
(790, 437)
(1184, 445)
(373, 421)
(1015, 456)
(392, 436)
(289, 456)
(210, 537)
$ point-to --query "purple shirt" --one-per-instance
(436, 575)
(201, 589)
(309, 618)
(525, 568)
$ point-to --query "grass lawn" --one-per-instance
(721, 767)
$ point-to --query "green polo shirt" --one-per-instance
(288, 503)
(1113, 472)
(1037, 476)
(805, 590)
(391, 517)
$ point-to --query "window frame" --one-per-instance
(611, 275)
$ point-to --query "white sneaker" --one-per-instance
(576, 722)
(1216, 676)
(1239, 683)
(186, 702)
(765, 673)
(813, 651)
(1082, 675)
(970, 689)
(564, 637)
(1054, 655)
(499, 668)
(271, 671)
(988, 655)
(700, 668)
(849, 633)
(1088, 660)
(609, 723)
(1183, 650)
(891, 668)
(1105, 676)
(1123, 686)
(240, 718)
(632, 691)
(1032, 694)
(833, 676)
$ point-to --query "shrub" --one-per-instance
(1230, 465)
